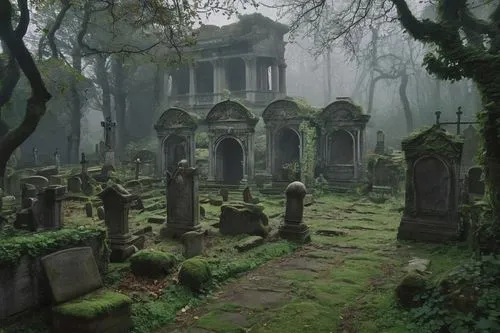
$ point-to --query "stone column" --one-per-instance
(192, 149)
(250, 77)
(219, 79)
(211, 158)
(275, 78)
(282, 78)
(250, 158)
(293, 228)
(192, 85)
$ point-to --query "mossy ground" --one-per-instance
(93, 305)
(335, 284)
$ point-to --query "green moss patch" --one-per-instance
(194, 273)
(93, 305)
(38, 244)
(152, 263)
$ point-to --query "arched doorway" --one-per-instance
(229, 161)
(341, 148)
(174, 150)
(287, 162)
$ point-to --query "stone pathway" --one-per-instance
(243, 303)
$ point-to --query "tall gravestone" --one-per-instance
(183, 212)
(432, 186)
(109, 155)
(293, 228)
(117, 201)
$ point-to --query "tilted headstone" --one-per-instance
(74, 184)
(293, 228)
(183, 212)
(38, 181)
(72, 273)
(117, 201)
(431, 211)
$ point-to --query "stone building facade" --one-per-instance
(243, 61)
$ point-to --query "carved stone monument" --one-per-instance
(109, 154)
(183, 212)
(117, 201)
(293, 228)
(432, 186)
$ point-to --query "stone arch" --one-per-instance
(230, 159)
(288, 143)
(431, 196)
(341, 147)
(343, 109)
(235, 74)
(175, 117)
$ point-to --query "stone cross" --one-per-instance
(137, 168)
(84, 163)
(380, 147)
(108, 126)
(35, 156)
(293, 228)
(57, 158)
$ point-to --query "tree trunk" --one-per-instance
(103, 81)
(406, 103)
(371, 93)
(120, 104)
(76, 109)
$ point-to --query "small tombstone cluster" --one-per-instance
(41, 206)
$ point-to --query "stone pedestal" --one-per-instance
(293, 228)
(117, 201)
(183, 212)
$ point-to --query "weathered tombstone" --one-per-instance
(88, 209)
(38, 181)
(224, 194)
(36, 161)
(84, 164)
(183, 213)
(73, 273)
(137, 168)
(74, 184)
(117, 201)
(432, 186)
(47, 210)
(57, 159)
(380, 147)
(247, 195)
(293, 228)
(471, 147)
(475, 182)
(100, 213)
(193, 244)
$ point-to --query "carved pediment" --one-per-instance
(230, 111)
(175, 118)
(342, 110)
(283, 109)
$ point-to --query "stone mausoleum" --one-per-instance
(244, 61)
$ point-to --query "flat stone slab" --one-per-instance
(156, 219)
(417, 265)
(249, 243)
(331, 232)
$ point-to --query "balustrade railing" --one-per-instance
(208, 99)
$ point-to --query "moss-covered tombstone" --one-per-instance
(195, 273)
(152, 263)
(411, 286)
(432, 193)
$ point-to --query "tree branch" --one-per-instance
(66, 5)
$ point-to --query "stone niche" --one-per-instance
(432, 186)
(176, 139)
(231, 131)
(284, 140)
(341, 143)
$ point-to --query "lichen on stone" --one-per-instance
(194, 273)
